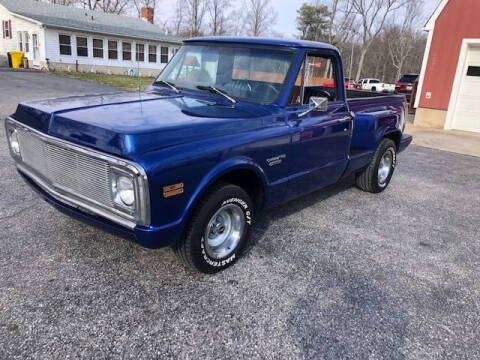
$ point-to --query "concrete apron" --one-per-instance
(460, 142)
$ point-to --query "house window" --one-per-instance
(6, 27)
(82, 47)
(112, 50)
(20, 40)
(164, 55)
(127, 51)
(473, 71)
(98, 48)
(140, 53)
(152, 53)
(26, 37)
(65, 44)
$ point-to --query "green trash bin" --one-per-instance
(16, 57)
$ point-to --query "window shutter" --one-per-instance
(10, 27)
(3, 29)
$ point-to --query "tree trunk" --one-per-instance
(363, 53)
(399, 70)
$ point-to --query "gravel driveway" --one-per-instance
(340, 274)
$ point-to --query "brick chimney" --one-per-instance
(146, 13)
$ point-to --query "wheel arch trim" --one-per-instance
(220, 170)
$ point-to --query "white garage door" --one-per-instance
(467, 111)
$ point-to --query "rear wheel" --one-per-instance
(218, 230)
(376, 177)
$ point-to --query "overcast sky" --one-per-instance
(287, 13)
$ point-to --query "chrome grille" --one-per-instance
(66, 169)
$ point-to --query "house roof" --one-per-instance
(72, 18)
(431, 21)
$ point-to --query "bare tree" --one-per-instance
(401, 37)
(195, 14)
(373, 15)
(179, 18)
(107, 6)
(236, 22)
(217, 10)
(341, 20)
(63, 2)
(260, 17)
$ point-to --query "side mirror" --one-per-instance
(315, 104)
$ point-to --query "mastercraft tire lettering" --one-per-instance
(219, 229)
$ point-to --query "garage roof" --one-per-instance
(72, 18)
(431, 22)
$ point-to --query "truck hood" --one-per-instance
(128, 124)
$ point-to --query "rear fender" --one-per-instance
(372, 127)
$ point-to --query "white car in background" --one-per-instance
(375, 85)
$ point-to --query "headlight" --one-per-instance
(123, 190)
(13, 140)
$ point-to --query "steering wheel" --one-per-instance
(322, 93)
(268, 85)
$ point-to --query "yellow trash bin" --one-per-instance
(16, 57)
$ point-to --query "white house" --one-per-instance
(77, 39)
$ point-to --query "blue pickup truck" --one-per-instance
(230, 127)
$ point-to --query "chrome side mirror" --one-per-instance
(315, 104)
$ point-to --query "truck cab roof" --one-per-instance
(288, 43)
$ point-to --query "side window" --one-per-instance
(65, 44)
(82, 48)
(7, 31)
(317, 78)
(140, 52)
(164, 54)
(126, 51)
(112, 49)
(296, 94)
(20, 40)
(98, 48)
(26, 36)
(152, 53)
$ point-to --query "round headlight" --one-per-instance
(123, 190)
(13, 139)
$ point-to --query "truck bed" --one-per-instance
(356, 94)
(369, 101)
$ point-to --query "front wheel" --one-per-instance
(376, 177)
(218, 230)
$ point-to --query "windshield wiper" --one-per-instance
(215, 90)
(169, 84)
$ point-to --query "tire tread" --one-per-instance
(183, 248)
(366, 179)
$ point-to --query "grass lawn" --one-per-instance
(121, 81)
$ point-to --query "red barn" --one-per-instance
(448, 94)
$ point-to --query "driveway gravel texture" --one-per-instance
(339, 274)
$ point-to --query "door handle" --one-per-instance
(345, 119)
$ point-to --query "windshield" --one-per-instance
(246, 73)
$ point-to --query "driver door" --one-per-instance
(321, 139)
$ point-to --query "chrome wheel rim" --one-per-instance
(224, 231)
(385, 167)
